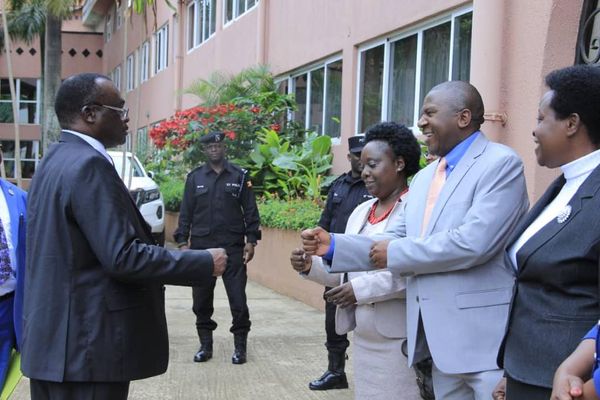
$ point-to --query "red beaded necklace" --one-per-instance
(375, 220)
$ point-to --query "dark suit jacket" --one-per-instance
(94, 300)
(16, 200)
(556, 298)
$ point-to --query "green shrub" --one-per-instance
(296, 214)
(172, 191)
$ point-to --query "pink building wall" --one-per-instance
(514, 44)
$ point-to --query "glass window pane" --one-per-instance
(251, 3)
(206, 19)
(190, 25)
(435, 57)
(300, 90)
(27, 169)
(27, 113)
(4, 90)
(213, 16)
(316, 99)
(371, 87)
(403, 81)
(28, 89)
(461, 63)
(241, 7)
(228, 10)
(199, 18)
(6, 114)
(333, 102)
(282, 87)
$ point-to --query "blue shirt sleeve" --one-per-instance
(592, 333)
(329, 255)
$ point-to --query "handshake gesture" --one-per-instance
(317, 241)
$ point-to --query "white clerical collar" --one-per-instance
(92, 142)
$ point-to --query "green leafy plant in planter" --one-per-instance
(293, 214)
(290, 171)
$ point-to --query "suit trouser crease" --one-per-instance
(234, 280)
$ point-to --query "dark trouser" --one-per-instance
(335, 343)
(45, 390)
(7, 334)
(516, 390)
(234, 280)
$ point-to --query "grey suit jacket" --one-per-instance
(459, 282)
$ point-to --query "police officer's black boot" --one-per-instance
(334, 377)
(239, 354)
(206, 346)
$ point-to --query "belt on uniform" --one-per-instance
(7, 296)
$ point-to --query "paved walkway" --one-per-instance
(285, 351)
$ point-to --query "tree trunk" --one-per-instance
(13, 96)
(52, 79)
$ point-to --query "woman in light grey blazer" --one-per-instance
(372, 303)
(555, 249)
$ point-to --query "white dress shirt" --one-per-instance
(575, 172)
(92, 142)
(10, 284)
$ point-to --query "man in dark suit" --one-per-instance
(94, 314)
(12, 264)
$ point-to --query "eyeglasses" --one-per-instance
(123, 112)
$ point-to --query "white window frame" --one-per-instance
(35, 153)
(117, 77)
(37, 101)
(144, 61)
(388, 42)
(130, 72)
(108, 30)
(198, 36)
(291, 86)
(235, 15)
(161, 49)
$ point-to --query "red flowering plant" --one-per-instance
(240, 121)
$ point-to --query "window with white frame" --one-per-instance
(108, 26)
(119, 17)
(397, 72)
(161, 49)
(144, 61)
(236, 8)
(201, 20)
(117, 77)
(318, 93)
(28, 94)
(130, 72)
(29, 155)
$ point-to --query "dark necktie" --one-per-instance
(5, 268)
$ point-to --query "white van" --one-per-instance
(145, 192)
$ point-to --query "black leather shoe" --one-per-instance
(238, 357)
(330, 380)
(334, 377)
(239, 354)
(203, 355)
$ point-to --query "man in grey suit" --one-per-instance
(449, 243)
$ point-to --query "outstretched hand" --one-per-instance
(300, 261)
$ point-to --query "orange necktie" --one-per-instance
(439, 178)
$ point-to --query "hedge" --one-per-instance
(293, 214)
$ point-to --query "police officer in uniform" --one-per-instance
(218, 210)
(344, 195)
